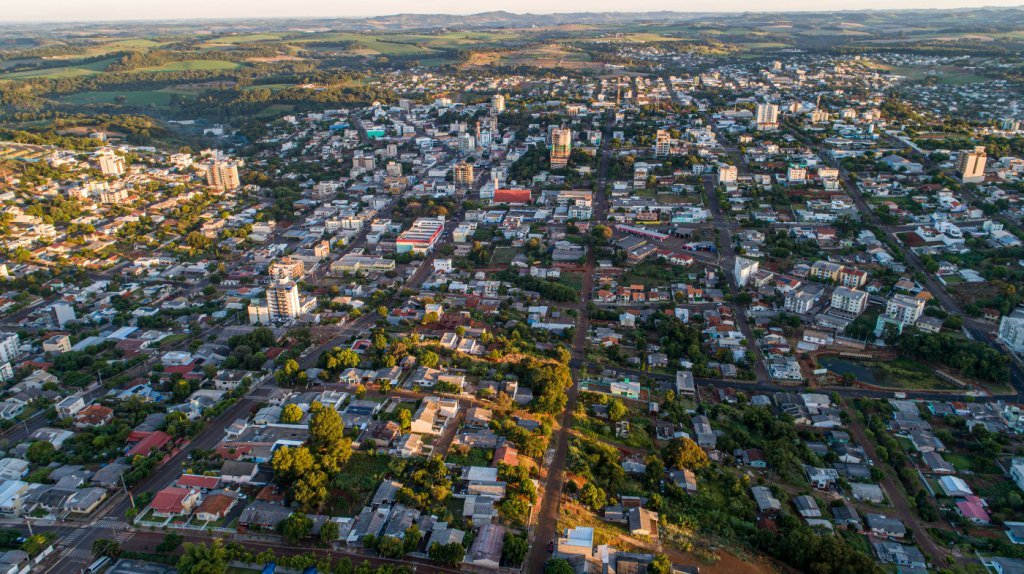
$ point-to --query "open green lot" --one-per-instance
(205, 65)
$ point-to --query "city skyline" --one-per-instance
(119, 10)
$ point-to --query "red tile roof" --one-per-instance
(170, 500)
(152, 441)
(198, 481)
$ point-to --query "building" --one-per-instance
(8, 347)
(561, 147)
(900, 311)
(744, 269)
(663, 143)
(497, 103)
(970, 165)
(421, 237)
(57, 344)
(110, 163)
(287, 268)
(61, 313)
(849, 300)
(223, 175)
(705, 434)
(1011, 330)
(728, 174)
(283, 300)
(463, 173)
(767, 116)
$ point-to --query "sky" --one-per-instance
(110, 10)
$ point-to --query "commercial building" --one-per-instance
(61, 313)
(561, 147)
(970, 165)
(421, 237)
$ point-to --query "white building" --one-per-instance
(849, 300)
(744, 269)
(728, 174)
(1011, 330)
(283, 300)
(767, 116)
(971, 165)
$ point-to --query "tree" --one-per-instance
(447, 554)
(593, 496)
(391, 547)
(203, 559)
(291, 374)
(429, 359)
(290, 463)
(617, 410)
(329, 532)
(105, 547)
(558, 566)
(171, 541)
(684, 453)
(660, 565)
(327, 438)
(310, 490)
(413, 536)
(405, 419)
(296, 527)
(291, 414)
(514, 549)
(177, 423)
(41, 452)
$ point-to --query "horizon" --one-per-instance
(75, 12)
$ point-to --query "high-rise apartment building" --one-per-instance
(223, 175)
(728, 174)
(849, 300)
(767, 116)
(970, 165)
(111, 164)
(561, 147)
(497, 103)
(464, 173)
(283, 300)
(287, 268)
(663, 143)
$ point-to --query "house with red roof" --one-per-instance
(93, 415)
(512, 196)
(972, 508)
(506, 454)
(198, 481)
(147, 442)
(174, 501)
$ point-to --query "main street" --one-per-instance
(546, 526)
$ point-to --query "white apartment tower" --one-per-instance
(497, 103)
(223, 175)
(283, 300)
(561, 147)
(111, 164)
(663, 143)
(767, 116)
(971, 165)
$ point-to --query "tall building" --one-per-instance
(561, 147)
(497, 103)
(464, 173)
(900, 311)
(744, 269)
(728, 174)
(767, 116)
(467, 143)
(111, 163)
(287, 268)
(223, 175)
(283, 300)
(1011, 330)
(663, 143)
(970, 165)
(8, 347)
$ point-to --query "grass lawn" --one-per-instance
(503, 255)
(274, 110)
(357, 482)
(475, 457)
(171, 340)
(204, 65)
(574, 280)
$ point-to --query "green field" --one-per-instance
(244, 39)
(205, 65)
(72, 71)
